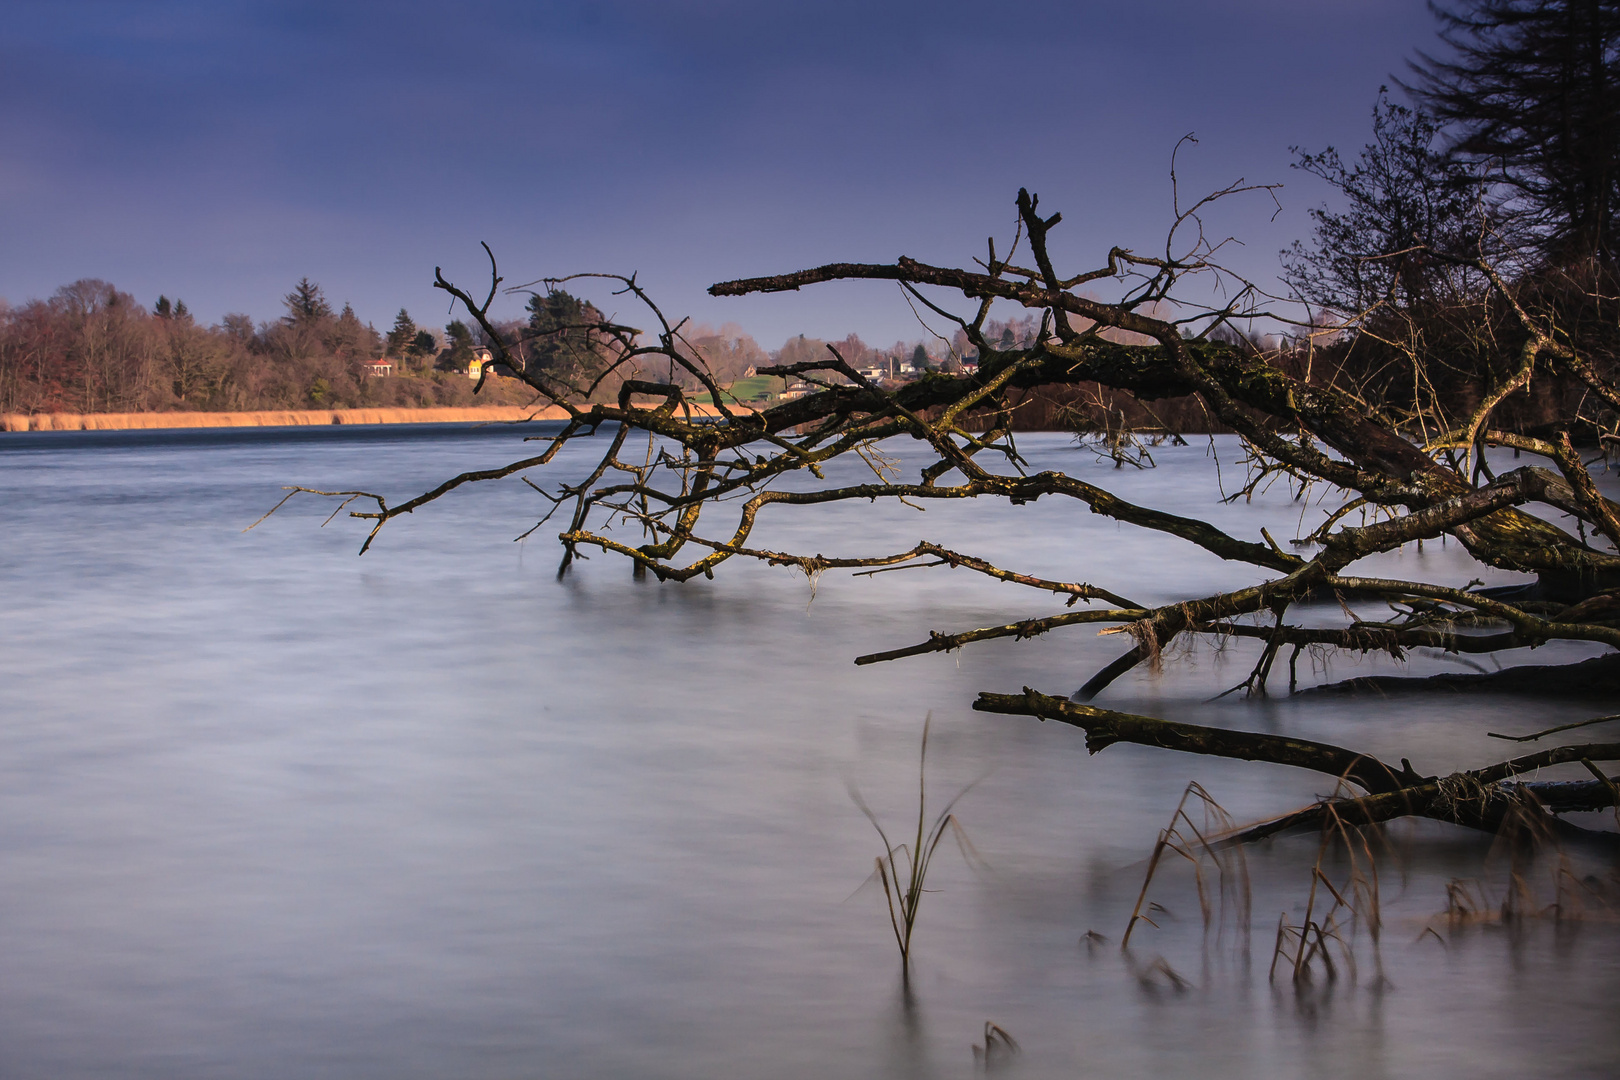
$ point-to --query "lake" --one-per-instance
(270, 809)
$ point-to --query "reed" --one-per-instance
(1200, 845)
(1333, 926)
(1339, 907)
(998, 1050)
(903, 868)
(1157, 974)
(1541, 879)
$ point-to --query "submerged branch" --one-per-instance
(1477, 798)
(1104, 727)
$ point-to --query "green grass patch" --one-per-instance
(753, 388)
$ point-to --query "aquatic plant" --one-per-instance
(903, 868)
(1326, 928)
(998, 1050)
(1537, 877)
(1199, 845)
(1355, 904)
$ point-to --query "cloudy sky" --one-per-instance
(218, 150)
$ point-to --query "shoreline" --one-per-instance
(281, 418)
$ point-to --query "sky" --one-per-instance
(220, 150)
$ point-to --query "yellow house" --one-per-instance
(480, 357)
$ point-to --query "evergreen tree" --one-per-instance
(306, 304)
(1534, 93)
(423, 344)
(348, 337)
(558, 342)
(403, 333)
(919, 359)
(460, 338)
(162, 309)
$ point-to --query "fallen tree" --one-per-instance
(696, 485)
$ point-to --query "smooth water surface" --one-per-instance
(268, 809)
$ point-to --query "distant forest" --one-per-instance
(93, 349)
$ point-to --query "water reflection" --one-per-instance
(267, 809)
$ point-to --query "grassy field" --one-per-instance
(755, 388)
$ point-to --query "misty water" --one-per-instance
(269, 809)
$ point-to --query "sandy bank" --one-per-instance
(275, 418)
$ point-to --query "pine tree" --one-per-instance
(459, 336)
(558, 343)
(1534, 94)
(348, 337)
(401, 336)
(423, 344)
(306, 303)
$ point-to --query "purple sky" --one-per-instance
(219, 150)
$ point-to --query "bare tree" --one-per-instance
(698, 489)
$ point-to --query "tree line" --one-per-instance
(92, 348)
